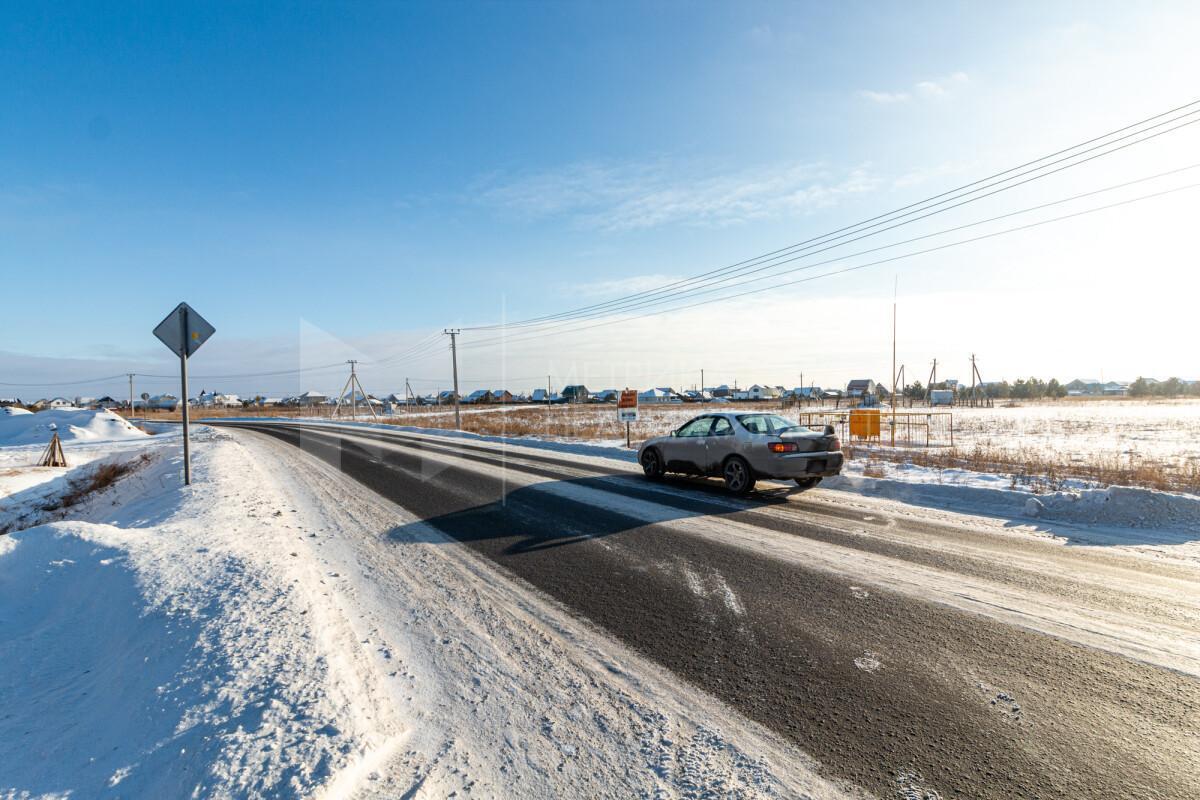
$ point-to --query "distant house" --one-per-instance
(804, 393)
(312, 399)
(576, 393)
(265, 402)
(606, 396)
(162, 402)
(445, 397)
(721, 391)
(106, 402)
(761, 392)
(941, 397)
(217, 400)
(8, 402)
(85, 402)
(478, 396)
(59, 402)
(500, 396)
(658, 395)
(544, 396)
(862, 388)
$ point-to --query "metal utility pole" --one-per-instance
(453, 333)
(894, 292)
(932, 381)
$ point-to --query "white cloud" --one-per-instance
(885, 98)
(639, 195)
(939, 87)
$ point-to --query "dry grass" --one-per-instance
(1038, 471)
(96, 480)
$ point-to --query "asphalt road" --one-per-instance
(888, 690)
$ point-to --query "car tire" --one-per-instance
(739, 478)
(807, 483)
(652, 465)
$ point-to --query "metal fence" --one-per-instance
(874, 425)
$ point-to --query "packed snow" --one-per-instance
(71, 424)
(258, 635)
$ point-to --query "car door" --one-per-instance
(686, 450)
(719, 443)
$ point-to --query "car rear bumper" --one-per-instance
(803, 465)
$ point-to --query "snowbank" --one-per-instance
(71, 424)
(168, 646)
(1175, 515)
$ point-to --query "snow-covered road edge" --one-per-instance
(1166, 523)
(268, 632)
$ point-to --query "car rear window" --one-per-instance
(765, 423)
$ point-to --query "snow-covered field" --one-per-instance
(1119, 433)
(256, 635)
(1163, 430)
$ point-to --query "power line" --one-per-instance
(69, 383)
(858, 231)
(857, 267)
(698, 291)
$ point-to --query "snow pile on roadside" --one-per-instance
(70, 423)
(994, 494)
(171, 647)
(13, 411)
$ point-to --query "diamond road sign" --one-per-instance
(184, 330)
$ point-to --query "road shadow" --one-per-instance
(557, 513)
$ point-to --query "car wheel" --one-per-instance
(652, 465)
(807, 483)
(738, 477)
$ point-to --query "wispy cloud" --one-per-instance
(885, 98)
(631, 196)
(622, 286)
(939, 87)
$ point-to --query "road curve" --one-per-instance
(787, 609)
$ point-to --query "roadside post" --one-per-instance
(183, 331)
(627, 407)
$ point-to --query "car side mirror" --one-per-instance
(674, 433)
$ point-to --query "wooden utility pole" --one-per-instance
(130, 374)
(453, 333)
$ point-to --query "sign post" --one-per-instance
(627, 410)
(183, 331)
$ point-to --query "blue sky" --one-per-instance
(376, 172)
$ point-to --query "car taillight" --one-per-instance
(835, 444)
(783, 447)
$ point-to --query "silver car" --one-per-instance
(742, 447)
